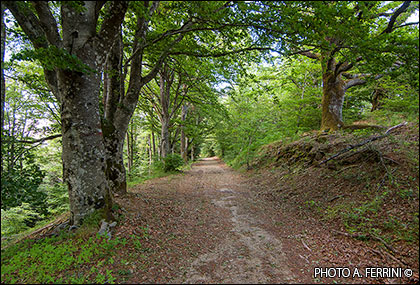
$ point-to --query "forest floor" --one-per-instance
(207, 227)
(276, 223)
(215, 225)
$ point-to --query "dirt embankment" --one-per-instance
(359, 210)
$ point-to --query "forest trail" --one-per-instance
(236, 247)
(249, 254)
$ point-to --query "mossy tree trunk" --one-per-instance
(334, 87)
(332, 97)
(76, 87)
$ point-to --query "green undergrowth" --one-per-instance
(80, 257)
(371, 192)
(383, 213)
(157, 170)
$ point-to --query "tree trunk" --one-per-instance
(113, 134)
(77, 89)
(183, 148)
(149, 143)
(153, 143)
(332, 98)
(183, 139)
(133, 139)
(83, 150)
(115, 169)
(165, 82)
(129, 154)
(165, 145)
(3, 82)
(378, 95)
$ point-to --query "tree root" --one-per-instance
(387, 133)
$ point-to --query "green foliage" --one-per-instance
(173, 162)
(31, 180)
(20, 183)
(53, 57)
(267, 105)
(52, 260)
(69, 257)
(17, 219)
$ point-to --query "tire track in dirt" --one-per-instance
(249, 254)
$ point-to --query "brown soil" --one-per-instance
(206, 227)
(215, 225)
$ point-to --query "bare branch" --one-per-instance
(394, 17)
(407, 24)
(362, 143)
(40, 140)
(223, 53)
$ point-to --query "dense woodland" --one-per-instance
(100, 95)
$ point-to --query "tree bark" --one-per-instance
(378, 95)
(332, 98)
(128, 153)
(115, 169)
(153, 143)
(3, 82)
(165, 82)
(83, 149)
(84, 155)
(114, 135)
(165, 145)
(184, 111)
(149, 143)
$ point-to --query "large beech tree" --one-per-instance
(352, 40)
(72, 53)
(353, 35)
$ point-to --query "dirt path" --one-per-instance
(248, 254)
(206, 226)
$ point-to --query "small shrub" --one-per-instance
(173, 162)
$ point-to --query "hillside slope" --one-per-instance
(357, 210)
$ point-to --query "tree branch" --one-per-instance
(112, 23)
(32, 27)
(223, 53)
(357, 80)
(48, 22)
(345, 66)
(362, 143)
(407, 24)
(354, 82)
(40, 140)
(29, 23)
(394, 17)
(309, 54)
